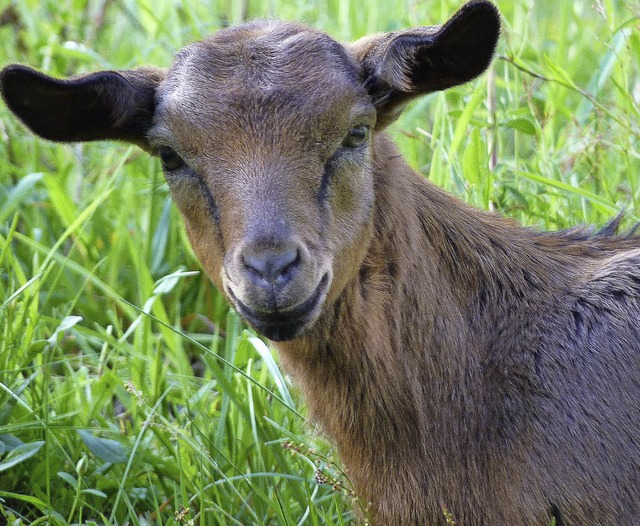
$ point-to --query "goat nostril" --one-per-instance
(274, 266)
(293, 262)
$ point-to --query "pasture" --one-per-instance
(129, 392)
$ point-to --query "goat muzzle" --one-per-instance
(277, 286)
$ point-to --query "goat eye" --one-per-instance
(357, 136)
(170, 159)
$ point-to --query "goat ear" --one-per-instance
(105, 105)
(402, 65)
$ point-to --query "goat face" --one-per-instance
(265, 132)
(265, 136)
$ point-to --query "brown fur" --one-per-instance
(459, 361)
(454, 370)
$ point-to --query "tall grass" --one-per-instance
(129, 392)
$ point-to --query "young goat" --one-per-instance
(459, 361)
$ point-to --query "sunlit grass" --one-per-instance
(129, 393)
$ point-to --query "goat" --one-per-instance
(459, 361)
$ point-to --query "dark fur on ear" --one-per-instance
(105, 105)
(402, 65)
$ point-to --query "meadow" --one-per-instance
(129, 392)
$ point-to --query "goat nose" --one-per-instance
(275, 266)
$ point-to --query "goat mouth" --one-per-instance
(285, 324)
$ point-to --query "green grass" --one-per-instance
(129, 393)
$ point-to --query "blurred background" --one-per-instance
(129, 392)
